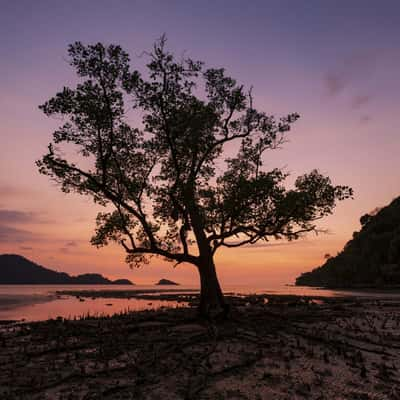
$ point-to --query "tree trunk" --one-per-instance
(212, 302)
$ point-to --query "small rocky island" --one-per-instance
(18, 270)
(122, 282)
(166, 282)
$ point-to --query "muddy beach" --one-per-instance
(272, 347)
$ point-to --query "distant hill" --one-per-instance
(370, 259)
(166, 282)
(18, 270)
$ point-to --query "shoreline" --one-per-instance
(54, 301)
(384, 289)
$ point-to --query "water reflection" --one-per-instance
(70, 307)
(40, 302)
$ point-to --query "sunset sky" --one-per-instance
(336, 63)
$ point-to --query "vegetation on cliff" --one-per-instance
(371, 258)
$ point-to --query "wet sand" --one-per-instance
(77, 303)
(272, 347)
(8, 302)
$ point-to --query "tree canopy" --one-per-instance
(169, 187)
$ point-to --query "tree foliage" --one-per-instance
(371, 258)
(167, 184)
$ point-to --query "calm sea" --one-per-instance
(40, 302)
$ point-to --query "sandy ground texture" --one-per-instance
(272, 347)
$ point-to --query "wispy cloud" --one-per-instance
(12, 227)
(350, 77)
(268, 244)
(8, 191)
(364, 119)
(27, 248)
(9, 234)
(334, 83)
(69, 246)
(356, 67)
(17, 217)
(15, 227)
(360, 100)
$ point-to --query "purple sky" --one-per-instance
(337, 63)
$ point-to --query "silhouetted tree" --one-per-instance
(162, 177)
(365, 219)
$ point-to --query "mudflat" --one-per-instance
(271, 347)
(10, 301)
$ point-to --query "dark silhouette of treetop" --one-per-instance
(160, 181)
